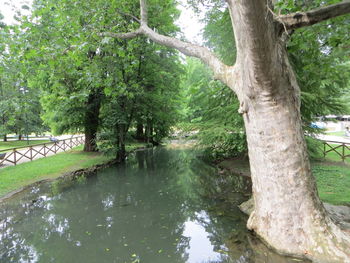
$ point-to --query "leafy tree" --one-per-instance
(127, 80)
(19, 104)
(72, 81)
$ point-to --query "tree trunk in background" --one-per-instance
(288, 213)
(139, 131)
(20, 137)
(121, 153)
(92, 120)
(149, 131)
(90, 139)
(5, 138)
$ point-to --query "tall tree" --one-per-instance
(19, 104)
(72, 98)
(288, 213)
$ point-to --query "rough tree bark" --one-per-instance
(288, 213)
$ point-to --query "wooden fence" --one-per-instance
(340, 148)
(14, 155)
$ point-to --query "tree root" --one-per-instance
(327, 243)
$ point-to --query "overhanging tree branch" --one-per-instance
(302, 19)
(128, 35)
(221, 71)
(189, 49)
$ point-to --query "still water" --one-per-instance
(162, 206)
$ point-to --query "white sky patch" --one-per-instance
(200, 248)
(8, 9)
(189, 23)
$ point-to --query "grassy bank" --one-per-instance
(333, 182)
(15, 144)
(333, 178)
(15, 177)
(335, 157)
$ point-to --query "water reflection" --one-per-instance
(162, 206)
(200, 246)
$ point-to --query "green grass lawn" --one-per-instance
(333, 156)
(333, 182)
(15, 177)
(14, 144)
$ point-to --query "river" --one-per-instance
(162, 206)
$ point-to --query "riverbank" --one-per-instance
(332, 178)
(15, 178)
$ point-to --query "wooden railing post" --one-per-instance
(343, 152)
(14, 156)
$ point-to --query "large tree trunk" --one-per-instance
(288, 214)
(5, 137)
(92, 120)
(90, 139)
